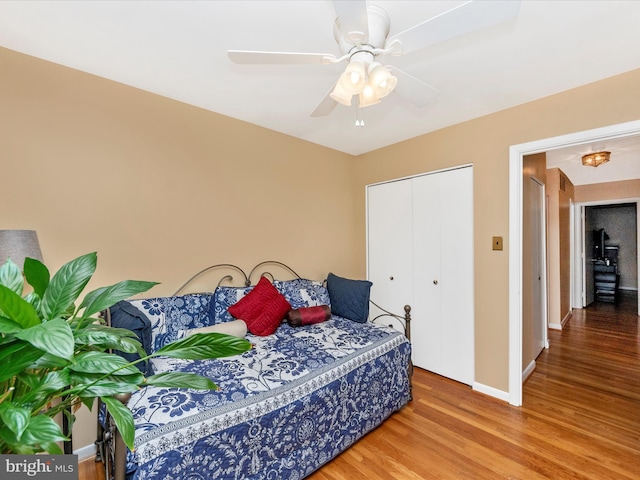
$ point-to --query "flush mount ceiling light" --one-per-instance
(595, 159)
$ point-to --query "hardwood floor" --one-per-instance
(580, 417)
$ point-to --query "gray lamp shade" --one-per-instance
(17, 245)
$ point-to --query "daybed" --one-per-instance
(297, 399)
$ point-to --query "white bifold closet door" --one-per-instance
(428, 238)
(443, 329)
(390, 245)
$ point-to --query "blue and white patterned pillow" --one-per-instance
(302, 293)
(223, 298)
(170, 315)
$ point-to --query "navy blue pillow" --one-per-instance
(349, 298)
(125, 315)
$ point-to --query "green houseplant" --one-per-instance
(55, 356)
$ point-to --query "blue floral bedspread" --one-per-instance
(290, 404)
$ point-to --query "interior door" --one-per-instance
(538, 271)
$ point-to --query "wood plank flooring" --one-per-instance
(580, 417)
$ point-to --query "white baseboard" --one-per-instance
(492, 392)
(85, 452)
(529, 370)
(559, 326)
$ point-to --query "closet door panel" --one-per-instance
(443, 274)
(457, 313)
(389, 240)
(427, 305)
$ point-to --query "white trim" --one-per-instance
(430, 172)
(516, 152)
(559, 326)
(581, 206)
(529, 370)
(85, 452)
(492, 392)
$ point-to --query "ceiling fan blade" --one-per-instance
(326, 106)
(352, 20)
(465, 18)
(280, 58)
(412, 89)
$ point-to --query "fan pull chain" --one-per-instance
(359, 121)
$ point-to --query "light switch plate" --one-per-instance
(497, 243)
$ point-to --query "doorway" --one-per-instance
(607, 233)
(516, 154)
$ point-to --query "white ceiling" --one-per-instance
(179, 49)
(623, 165)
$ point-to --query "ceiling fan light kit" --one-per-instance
(341, 95)
(361, 31)
(370, 87)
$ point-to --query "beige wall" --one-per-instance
(607, 191)
(559, 245)
(161, 189)
(485, 142)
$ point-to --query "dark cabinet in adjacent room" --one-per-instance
(606, 277)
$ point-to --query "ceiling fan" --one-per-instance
(362, 33)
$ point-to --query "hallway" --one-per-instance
(588, 383)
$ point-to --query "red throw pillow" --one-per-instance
(262, 309)
(308, 315)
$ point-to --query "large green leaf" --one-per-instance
(40, 434)
(181, 380)
(106, 338)
(67, 284)
(106, 387)
(105, 297)
(34, 299)
(101, 362)
(14, 417)
(9, 326)
(42, 429)
(123, 418)
(17, 356)
(205, 345)
(41, 388)
(17, 309)
(11, 277)
(37, 275)
(49, 361)
(54, 337)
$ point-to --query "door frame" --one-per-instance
(516, 154)
(579, 277)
